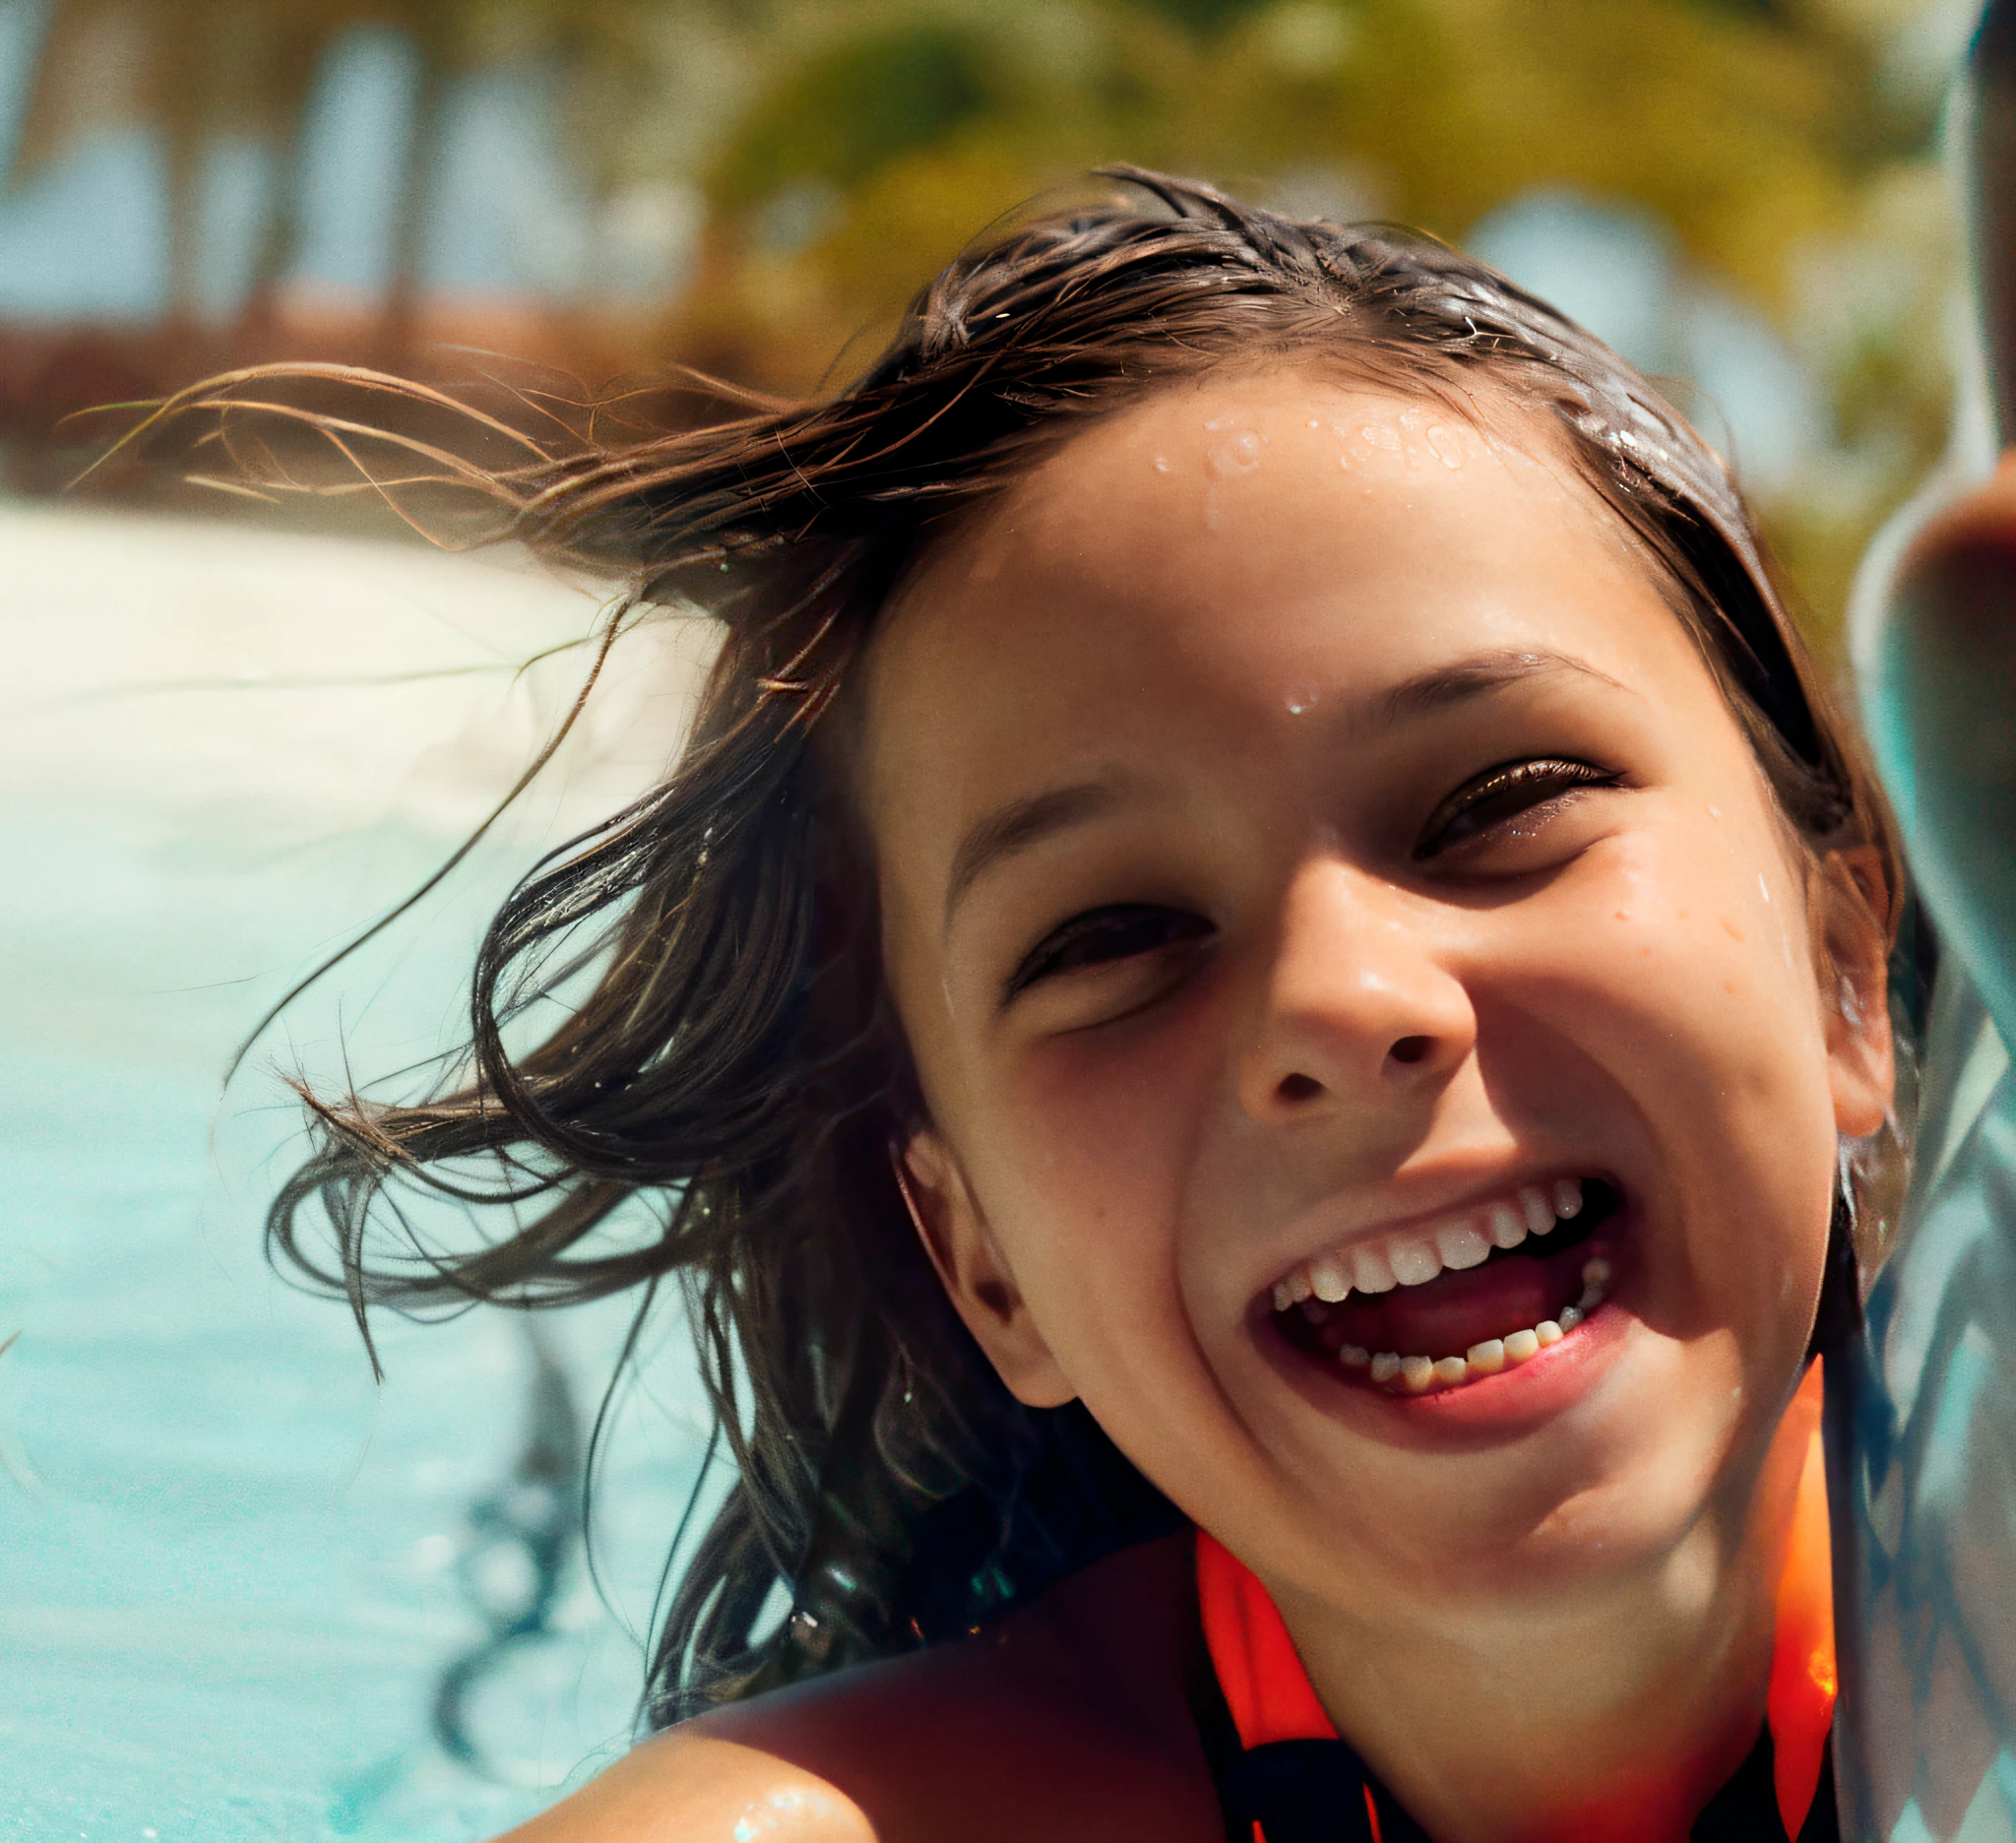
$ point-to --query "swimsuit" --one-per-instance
(1285, 1775)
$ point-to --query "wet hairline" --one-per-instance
(1490, 406)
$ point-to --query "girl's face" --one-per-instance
(1313, 853)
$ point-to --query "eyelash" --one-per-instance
(1498, 795)
(1118, 926)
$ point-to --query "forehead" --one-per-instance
(1216, 552)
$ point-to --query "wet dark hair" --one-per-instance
(726, 1050)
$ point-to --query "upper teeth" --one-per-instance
(1414, 1256)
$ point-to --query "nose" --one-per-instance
(1359, 1008)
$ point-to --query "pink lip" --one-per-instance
(1480, 1413)
(1537, 1390)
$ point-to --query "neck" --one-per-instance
(1612, 1707)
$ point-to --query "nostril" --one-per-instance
(1410, 1049)
(1298, 1087)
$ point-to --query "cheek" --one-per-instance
(1689, 983)
(1100, 1129)
(1695, 943)
(1084, 1164)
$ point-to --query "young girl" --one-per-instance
(1242, 1008)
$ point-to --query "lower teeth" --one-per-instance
(1417, 1375)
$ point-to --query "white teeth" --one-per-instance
(1595, 1276)
(1414, 1264)
(1371, 1272)
(1462, 1245)
(1416, 1258)
(1327, 1279)
(1418, 1374)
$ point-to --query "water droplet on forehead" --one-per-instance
(1445, 445)
(1302, 698)
(1237, 454)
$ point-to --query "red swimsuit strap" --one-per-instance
(1802, 1672)
(1271, 1698)
(1260, 1674)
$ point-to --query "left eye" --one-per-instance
(1501, 795)
(1099, 936)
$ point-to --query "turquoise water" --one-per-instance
(236, 1569)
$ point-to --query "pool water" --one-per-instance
(236, 1570)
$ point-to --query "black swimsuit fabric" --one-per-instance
(1318, 1791)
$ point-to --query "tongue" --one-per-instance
(1444, 1318)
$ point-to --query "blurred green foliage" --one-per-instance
(844, 149)
(1789, 145)
(869, 102)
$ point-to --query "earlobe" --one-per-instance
(1853, 900)
(970, 1266)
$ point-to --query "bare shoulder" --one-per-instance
(1067, 1721)
(701, 1789)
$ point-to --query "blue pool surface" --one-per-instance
(236, 1569)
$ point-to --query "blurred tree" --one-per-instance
(198, 71)
(1770, 134)
(844, 148)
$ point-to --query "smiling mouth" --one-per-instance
(1443, 1306)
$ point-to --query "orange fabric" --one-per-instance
(1259, 1672)
(1271, 1698)
(1802, 1673)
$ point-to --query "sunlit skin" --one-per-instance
(1254, 634)
(1201, 611)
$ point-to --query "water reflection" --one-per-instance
(525, 1532)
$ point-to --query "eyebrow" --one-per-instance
(1476, 676)
(1019, 825)
(1024, 823)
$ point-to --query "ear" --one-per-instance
(976, 1278)
(1850, 906)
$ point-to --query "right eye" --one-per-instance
(1100, 936)
(1506, 798)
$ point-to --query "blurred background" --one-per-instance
(247, 1592)
(1738, 193)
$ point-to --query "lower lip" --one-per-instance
(1494, 1407)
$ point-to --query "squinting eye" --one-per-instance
(1502, 793)
(1100, 937)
